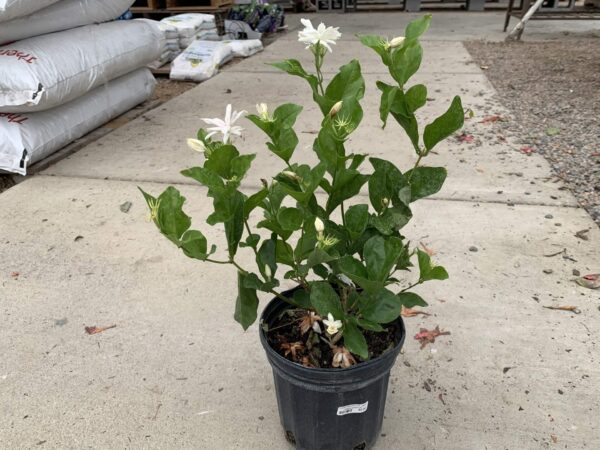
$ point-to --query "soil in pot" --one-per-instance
(288, 337)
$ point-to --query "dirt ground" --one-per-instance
(553, 90)
(166, 89)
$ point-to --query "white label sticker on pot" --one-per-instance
(352, 409)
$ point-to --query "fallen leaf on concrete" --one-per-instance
(15, 275)
(469, 114)
(96, 330)
(468, 138)
(426, 249)
(425, 336)
(554, 438)
(572, 309)
(491, 119)
(527, 150)
(596, 154)
(552, 131)
(582, 234)
(125, 207)
(410, 312)
(591, 281)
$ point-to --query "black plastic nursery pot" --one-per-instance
(330, 409)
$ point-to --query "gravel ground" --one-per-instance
(553, 90)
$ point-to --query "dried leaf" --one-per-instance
(492, 119)
(464, 137)
(527, 150)
(410, 312)
(342, 358)
(569, 308)
(596, 154)
(469, 114)
(96, 330)
(310, 321)
(292, 348)
(427, 250)
(425, 336)
(582, 234)
(554, 438)
(591, 281)
(15, 275)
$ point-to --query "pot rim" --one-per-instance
(388, 355)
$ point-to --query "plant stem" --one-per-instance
(415, 166)
(250, 234)
(411, 286)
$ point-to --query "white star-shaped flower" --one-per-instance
(326, 36)
(225, 126)
(333, 325)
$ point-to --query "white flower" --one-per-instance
(397, 42)
(319, 226)
(196, 144)
(333, 325)
(335, 109)
(322, 34)
(225, 126)
(263, 112)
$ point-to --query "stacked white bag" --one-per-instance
(191, 27)
(56, 87)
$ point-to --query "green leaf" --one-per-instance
(284, 253)
(205, 177)
(170, 218)
(254, 201)
(347, 83)
(220, 160)
(194, 245)
(354, 270)
(417, 27)
(392, 220)
(325, 300)
(267, 257)
(290, 218)
(378, 44)
(442, 127)
(368, 325)
(381, 308)
(410, 300)
(234, 227)
(384, 184)
(357, 219)
(346, 184)
(425, 181)
(285, 115)
(301, 298)
(394, 101)
(354, 340)
(406, 60)
(316, 257)
(246, 305)
(416, 97)
(293, 67)
(240, 165)
(380, 256)
(303, 190)
(429, 271)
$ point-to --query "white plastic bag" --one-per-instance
(245, 48)
(63, 15)
(11, 9)
(28, 138)
(46, 71)
(200, 61)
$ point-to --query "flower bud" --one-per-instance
(319, 225)
(335, 109)
(385, 202)
(196, 145)
(397, 42)
(263, 111)
(290, 174)
(268, 272)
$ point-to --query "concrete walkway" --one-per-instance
(178, 372)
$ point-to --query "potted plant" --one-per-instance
(333, 337)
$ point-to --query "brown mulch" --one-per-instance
(553, 90)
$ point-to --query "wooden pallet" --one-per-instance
(196, 5)
(141, 6)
